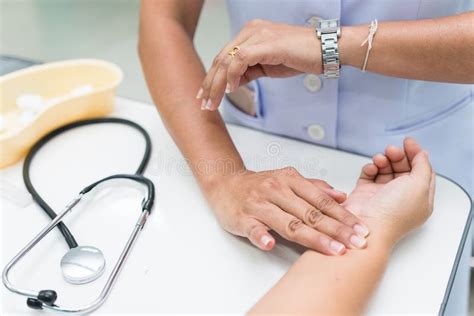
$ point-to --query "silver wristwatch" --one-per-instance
(328, 31)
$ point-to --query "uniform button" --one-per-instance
(312, 82)
(316, 131)
(313, 21)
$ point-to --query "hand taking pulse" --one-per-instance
(394, 195)
(304, 211)
(262, 48)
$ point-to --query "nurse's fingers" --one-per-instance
(293, 229)
(248, 56)
(337, 195)
(398, 160)
(385, 169)
(218, 85)
(222, 57)
(317, 220)
(258, 71)
(215, 92)
(324, 203)
(257, 233)
(203, 93)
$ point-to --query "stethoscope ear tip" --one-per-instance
(47, 297)
(34, 303)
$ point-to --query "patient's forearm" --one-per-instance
(326, 285)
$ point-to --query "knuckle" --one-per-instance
(322, 183)
(217, 60)
(271, 183)
(241, 55)
(289, 171)
(292, 227)
(313, 216)
(324, 202)
(223, 63)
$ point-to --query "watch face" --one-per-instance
(328, 26)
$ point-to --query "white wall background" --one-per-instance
(50, 30)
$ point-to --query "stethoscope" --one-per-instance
(81, 264)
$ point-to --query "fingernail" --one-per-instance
(208, 105)
(199, 94)
(337, 247)
(357, 241)
(265, 240)
(361, 230)
(227, 88)
(337, 191)
(203, 104)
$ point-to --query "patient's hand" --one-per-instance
(394, 194)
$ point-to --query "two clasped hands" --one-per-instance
(393, 195)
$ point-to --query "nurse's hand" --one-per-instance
(394, 194)
(263, 49)
(301, 210)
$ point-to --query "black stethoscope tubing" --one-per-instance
(68, 236)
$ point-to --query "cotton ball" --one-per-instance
(30, 102)
(81, 90)
(27, 116)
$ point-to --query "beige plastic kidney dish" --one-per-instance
(69, 91)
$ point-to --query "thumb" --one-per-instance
(258, 234)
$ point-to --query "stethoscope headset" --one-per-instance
(81, 264)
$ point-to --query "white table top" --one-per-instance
(183, 261)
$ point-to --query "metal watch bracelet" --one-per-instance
(328, 31)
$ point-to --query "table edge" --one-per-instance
(461, 247)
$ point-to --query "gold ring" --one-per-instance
(233, 51)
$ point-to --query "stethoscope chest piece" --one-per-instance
(82, 264)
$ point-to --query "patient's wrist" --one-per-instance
(382, 235)
(381, 242)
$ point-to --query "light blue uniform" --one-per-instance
(364, 112)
